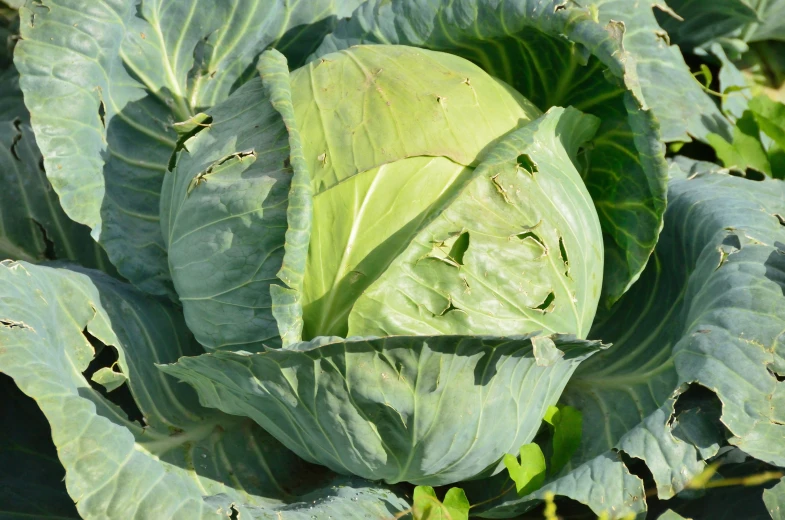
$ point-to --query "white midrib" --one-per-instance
(341, 271)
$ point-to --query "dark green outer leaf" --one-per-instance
(677, 100)
(31, 477)
(235, 215)
(709, 308)
(428, 410)
(33, 227)
(712, 213)
(106, 80)
(626, 177)
(11, 103)
(734, 343)
(115, 468)
(705, 22)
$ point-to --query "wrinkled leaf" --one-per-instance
(33, 227)
(425, 410)
(224, 216)
(106, 81)
(699, 314)
(528, 264)
(152, 452)
(681, 107)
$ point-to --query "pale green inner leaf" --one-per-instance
(364, 222)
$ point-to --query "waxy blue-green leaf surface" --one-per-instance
(426, 410)
(706, 22)
(774, 499)
(33, 226)
(709, 309)
(182, 460)
(720, 246)
(234, 221)
(105, 81)
(683, 110)
(535, 265)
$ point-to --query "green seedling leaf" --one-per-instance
(770, 116)
(529, 473)
(746, 149)
(567, 423)
(428, 507)
(456, 504)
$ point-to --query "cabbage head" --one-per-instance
(425, 220)
(434, 217)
